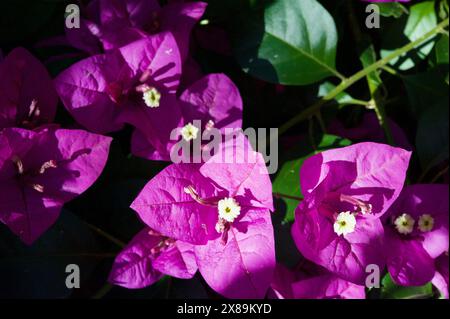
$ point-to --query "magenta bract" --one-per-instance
(110, 24)
(362, 180)
(43, 169)
(313, 282)
(148, 257)
(27, 96)
(183, 203)
(411, 253)
(214, 100)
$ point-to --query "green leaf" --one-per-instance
(390, 290)
(285, 43)
(392, 9)
(287, 181)
(432, 138)
(441, 54)
(342, 98)
(441, 50)
(368, 57)
(422, 19)
(425, 89)
(38, 271)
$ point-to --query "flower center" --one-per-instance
(163, 244)
(345, 223)
(189, 132)
(23, 174)
(32, 118)
(426, 223)
(151, 97)
(229, 209)
(359, 205)
(404, 224)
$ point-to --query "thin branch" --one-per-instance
(104, 234)
(279, 195)
(310, 111)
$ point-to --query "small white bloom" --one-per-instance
(151, 97)
(189, 132)
(345, 223)
(426, 223)
(229, 209)
(404, 224)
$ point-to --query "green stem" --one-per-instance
(321, 123)
(439, 174)
(392, 71)
(360, 102)
(373, 79)
(104, 234)
(279, 195)
(102, 291)
(310, 111)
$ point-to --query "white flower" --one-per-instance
(426, 223)
(229, 209)
(189, 132)
(404, 224)
(151, 97)
(345, 223)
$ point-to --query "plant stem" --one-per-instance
(104, 234)
(310, 111)
(373, 79)
(279, 195)
(439, 174)
(102, 291)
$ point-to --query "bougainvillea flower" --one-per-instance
(213, 100)
(327, 286)
(416, 233)
(440, 279)
(41, 170)
(223, 208)
(148, 257)
(115, 23)
(135, 84)
(27, 96)
(345, 191)
(369, 130)
(313, 283)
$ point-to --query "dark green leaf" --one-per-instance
(342, 98)
(425, 89)
(286, 44)
(392, 9)
(422, 19)
(392, 291)
(432, 138)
